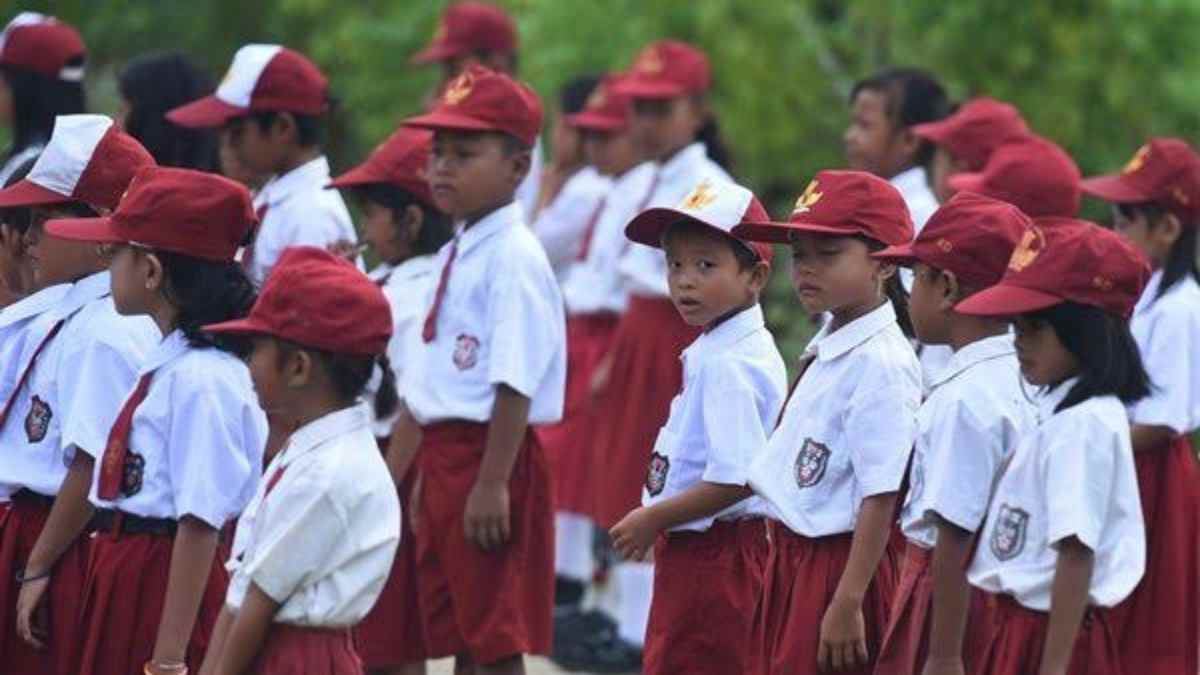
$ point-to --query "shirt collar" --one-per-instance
(172, 347)
(323, 429)
(1149, 292)
(1048, 400)
(672, 168)
(830, 345)
(910, 180)
(84, 291)
(413, 267)
(311, 175)
(501, 218)
(33, 304)
(994, 347)
(730, 332)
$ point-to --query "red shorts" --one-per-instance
(296, 650)
(487, 605)
(706, 586)
(1019, 637)
(802, 576)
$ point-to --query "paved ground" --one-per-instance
(534, 666)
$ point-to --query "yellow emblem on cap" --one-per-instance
(1102, 283)
(439, 33)
(597, 99)
(945, 245)
(1027, 250)
(700, 196)
(1180, 196)
(458, 89)
(1138, 161)
(649, 63)
(805, 201)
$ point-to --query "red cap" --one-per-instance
(480, 99)
(1165, 171)
(88, 159)
(844, 203)
(44, 45)
(1036, 176)
(975, 130)
(319, 300)
(667, 69)
(194, 213)
(468, 27)
(720, 205)
(970, 235)
(400, 160)
(607, 109)
(261, 78)
(1063, 259)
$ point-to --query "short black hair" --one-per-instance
(913, 97)
(350, 374)
(18, 217)
(1181, 260)
(746, 256)
(573, 96)
(207, 292)
(154, 84)
(310, 129)
(435, 225)
(37, 100)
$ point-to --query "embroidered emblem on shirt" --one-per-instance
(808, 198)
(37, 422)
(810, 463)
(656, 475)
(1027, 250)
(700, 196)
(1008, 535)
(466, 351)
(131, 478)
(459, 89)
(1138, 161)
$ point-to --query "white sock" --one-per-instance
(635, 584)
(573, 547)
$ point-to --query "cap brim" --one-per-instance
(444, 120)
(205, 113)
(355, 177)
(437, 53)
(27, 193)
(246, 326)
(649, 226)
(655, 90)
(1006, 300)
(1112, 188)
(593, 122)
(935, 132)
(966, 181)
(99, 230)
(901, 255)
(781, 233)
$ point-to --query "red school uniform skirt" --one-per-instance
(490, 605)
(646, 375)
(706, 587)
(298, 650)
(568, 443)
(1158, 626)
(801, 577)
(1019, 638)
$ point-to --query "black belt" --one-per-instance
(119, 522)
(27, 496)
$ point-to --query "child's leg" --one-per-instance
(417, 668)
(573, 563)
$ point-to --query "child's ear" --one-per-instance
(1167, 230)
(952, 291)
(156, 275)
(298, 369)
(910, 143)
(885, 271)
(520, 163)
(284, 126)
(412, 219)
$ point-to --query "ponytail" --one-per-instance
(710, 136)
(895, 292)
(207, 292)
(387, 399)
(1181, 260)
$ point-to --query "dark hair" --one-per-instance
(207, 292)
(893, 289)
(18, 217)
(37, 100)
(746, 257)
(913, 97)
(574, 94)
(1109, 360)
(310, 129)
(155, 83)
(1181, 260)
(435, 225)
(709, 134)
(350, 374)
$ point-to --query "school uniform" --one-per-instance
(563, 223)
(844, 435)
(1071, 476)
(530, 189)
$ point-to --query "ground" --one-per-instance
(534, 666)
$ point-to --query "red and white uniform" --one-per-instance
(404, 286)
(561, 225)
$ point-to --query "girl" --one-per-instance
(319, 536)
(1063, 535)
(154, 83)
(833, 467)
(1156, 206)
(184, 454)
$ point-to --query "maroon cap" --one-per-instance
(1035, 175)
(468, 27)
(194, 213)
(975, 130)
(970, 235)
(844, 203)
(319, 300)
(1165, 171)
(667, 69)
(1063, 259)
(480, 99)
(44, 45)
(719, 204)
(400, 160)
(607, 109)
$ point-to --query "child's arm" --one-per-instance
(248, 632)
(634, 535)
(1146, 437)
(951, 599)
(1068, 602)
(216, 643)
(191, 562)
(486, 518)
(403, 445)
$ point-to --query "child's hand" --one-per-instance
(943, 666)
(31, 624)
(634, 536)
(486, 518)
(843, 636)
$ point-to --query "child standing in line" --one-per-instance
(1035, 175)
(966, 139)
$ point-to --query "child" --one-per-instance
(16, 270)
(41, 77)
(153, 84)
(1035, 175)
(696, 494)
(834, 464)
(269, 109)
(1155, 206)
(319, 537)
(966, 139)
(966, 429)
(1063, 536)
(490, 361)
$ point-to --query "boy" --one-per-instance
(966, 428)
(695, 489)
(490, 361)
(268, 109)
(966, 139)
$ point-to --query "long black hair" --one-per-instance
(893, 289)
(709, 134)
(206, 292)
(1181, 260)
(435, 225)
(155, 83)
(37, 100)
(350, 374)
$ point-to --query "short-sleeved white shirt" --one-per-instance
(76, 387)
(320, 537)
(734, 383)
(299, 212)
(197, 440)
(1071, 476)
(1167, 331)
(847, 430)
(562, 223)
(966, 429)
(501, 322)
(530, 188)
(404, 286)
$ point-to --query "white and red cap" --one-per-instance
(44, 45)
(261, 78)
(719, 204)
(88, 159)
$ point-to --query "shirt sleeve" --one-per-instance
(1169, 359)
(102, 378)
(732, 424)
(960, 468)
(881, 425)
(1077, 470)
(561, 225)
(527, 327)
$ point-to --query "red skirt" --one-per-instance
(20, 525)
(1019, 638)
(646, 375)
(568, 443)
(123, 603)
(1158, 626)
(490, 605)
(705, 628)
(802, 576)
(297, 650)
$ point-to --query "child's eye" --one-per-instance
(705, 264)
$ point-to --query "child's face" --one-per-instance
(1153, 239)
(136, 277)
(663, 127)
(873, 142)
(929, 305)
(612, 153)
(387, 237)
(941, 168)
(268, 372)
(54, 260)
(472, 173)
(1043, 357)
(568, 144)
(704, 277)
(832, 273)
(256, 149)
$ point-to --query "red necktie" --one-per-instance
(274, 480)
(430, 330)
(112, 466)
(12, 398)
(248, 250)
(590, 231)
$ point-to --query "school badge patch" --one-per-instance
(37, 422)
(656, 474)
(466, 351)
(1008, 535)
(810, 463)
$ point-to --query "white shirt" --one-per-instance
(645, 267)
(592, 285)
(197, 440)
(531, 186)
(734, 383)
(1072, 476)
(76, 387)
(1167, 331)
(501, 322)
(562, 223)
(320, 537)
(405, 286)
(847, 430)
(300, 212)
(966, 429)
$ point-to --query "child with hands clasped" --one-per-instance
(734, 383)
